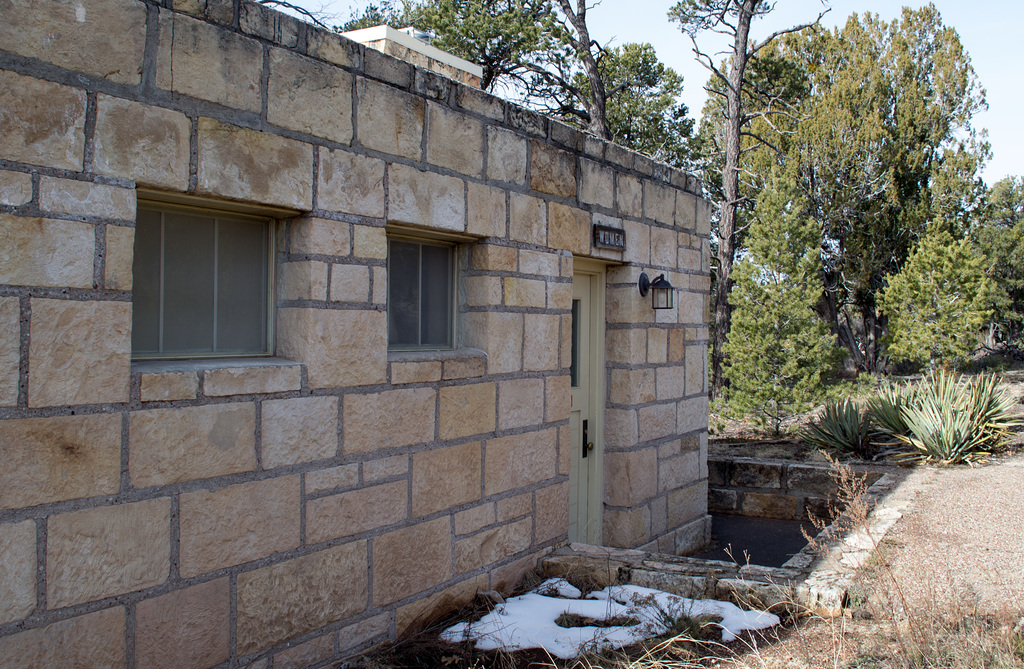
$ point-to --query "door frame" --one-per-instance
(594, 272)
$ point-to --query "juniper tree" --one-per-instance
(780, 352)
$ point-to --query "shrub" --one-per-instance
(951, 421)
(886, 410)
(843, 428)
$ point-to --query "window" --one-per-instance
(201, 283)
(421, 280)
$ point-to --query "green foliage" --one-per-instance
(397, 14)
(504, 37)
(938, 303)
(843, 428)
(999, 235)
(779, 352)
(952, 421)
(886, 409)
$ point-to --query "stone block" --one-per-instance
(184, 444)
(15, 188)
(627, 346)
(483, 291)
(559, 295)
(500, 335)
(297, 430)
(43, 123)
(383, 66)
(696, 369)
(445, 477)
(818, 481)
(626, 528)
(306, 654)
(117, 269)
(168, 386)
(333, 48)
(678, 471)
(628, 195)
(389, 419)
(557, 398)
(528, 220)
(721, 500)
(17, 570)
(538, 263)
(78, 37)
(693, 414)
(638, 246)
(467, 410)
(379, 286)
(624, 305)
(486, 211)
(107, 551)
(686, 210)
(303, 280)
(411, 560)
(350, 283)
(469, 367)
(388, 120)
(94, 640)
(184, 628)
(455, 140)
(494, 258)
(79, 352)
(340, 348)
(424, 371)
(510, 576)
(541, 342)
(597, 184)
(250, 379)
(414, 617)
(657, 346)
(490, 546)
(519, 460)
(506, 156)
(568, 229)
(552, 517)
(369, 242)
(10, 350)
(620, 427)
(671, 382)
(83, 198)
(520, 292)
(320, 480)
(301, 595)
(632, 386)
(309, 96)
(657, 421)
(630, 477)
(363, 632)
(474, 519)
(755, 475)
(254, 166)
(59, 458)
(703, 217)
(687, 504)
(209, 63)
(510, 508)
(319, 236)
(384, 468)
(664, 247)
(520, 403)
(46, 252)
(350, 184)
(269, 24)
(238, 524)
(552, 170)
(217, 11)
(659, 202)
(427, 199)
(357, 511)
(770, 505)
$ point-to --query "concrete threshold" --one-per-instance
(818, 579)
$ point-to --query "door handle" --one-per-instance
(586, 438)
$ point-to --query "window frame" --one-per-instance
(184, 204)
(453, 293)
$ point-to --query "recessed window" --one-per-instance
(421, 281)
(201, 284)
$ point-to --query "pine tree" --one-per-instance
(938, 303)
(780, 352)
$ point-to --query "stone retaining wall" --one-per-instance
(775, 488)
(291, 510)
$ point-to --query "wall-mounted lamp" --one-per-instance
(662, 292)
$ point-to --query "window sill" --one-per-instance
(433, 366)
(168, 380)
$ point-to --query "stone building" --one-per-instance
(297, 340)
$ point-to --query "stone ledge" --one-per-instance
(165, 380)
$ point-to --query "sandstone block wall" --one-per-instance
(292, 510)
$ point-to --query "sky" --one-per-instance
(988, 32)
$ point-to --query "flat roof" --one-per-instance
(378, 33)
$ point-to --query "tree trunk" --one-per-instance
(730, 192)
(596, 106)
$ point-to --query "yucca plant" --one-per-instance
(886, 410)
(951, 421)
(843, 428)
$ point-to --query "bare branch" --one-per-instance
(778, 33)
(295, 8)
